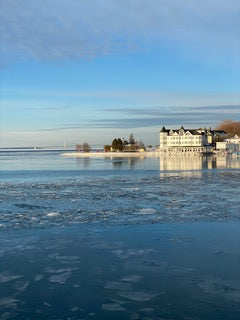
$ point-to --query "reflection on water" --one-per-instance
(55, 161)
(115, 162)
(228, 162)
(197, 163)
(83, 162)
(185, 164)
(131, 163)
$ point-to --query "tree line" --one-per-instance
(230, 127)
(119, 144)
(85, 147)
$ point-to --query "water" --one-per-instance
(138, 238)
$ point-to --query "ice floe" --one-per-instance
(57, 256)
(8, 302)
(7, 315)
(143, 265)
(53, 214)
(147, 211)
(38, 277)
(60, 278)
(134, 278)
(116, 285)
(127, 253)
(21, 286)
(113, 307)
(225, 288)
(138, 295)
(60, 270)
(6, 276)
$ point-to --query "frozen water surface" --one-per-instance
(113, 307)
(41, 199)
(119, 238)
(138, 295)
(6, 276)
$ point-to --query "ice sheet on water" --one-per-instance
(113, 307)
(142, 265)
(131, 252)
(16, 245)
(178, 270)
(131, 189)
(38, 277)
(140, 296)
(21, 286)
(57, 256)
(225, 288)
(101, 244)
(6, 276)
(8, 302)
(53, 214)
(60, 270)
(75, 309)
(180, 239)
(60, 278)
(7, 315)
(134, 278)
(147, 211)
(117, 285)
(67, 258)
(119, 300)
(85, 200)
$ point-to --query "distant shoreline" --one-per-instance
(144, 154)
(109, 154)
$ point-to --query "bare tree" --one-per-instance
(86, 147)
(230, 127)
(78, 147)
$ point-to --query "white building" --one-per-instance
(235, 139)
(184, 140)
(230, 145)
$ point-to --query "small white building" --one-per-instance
(230, 145)
(222, 146)
(235, 139)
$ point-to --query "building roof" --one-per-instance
(192, 131)
(199, 131)
(219, 131)
(164, 130)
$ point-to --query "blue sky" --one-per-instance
(93, 70)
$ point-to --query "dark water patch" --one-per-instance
(156, 279)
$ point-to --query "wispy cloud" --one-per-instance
(59, 29)
(177, 111)
(42, 98)
(154, 118)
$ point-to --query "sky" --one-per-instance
(80, 70)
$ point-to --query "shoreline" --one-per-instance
(144, 154)
(109, 154)
(156, 154)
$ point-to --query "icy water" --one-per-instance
(116, 238)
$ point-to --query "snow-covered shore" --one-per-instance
(109, 154)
